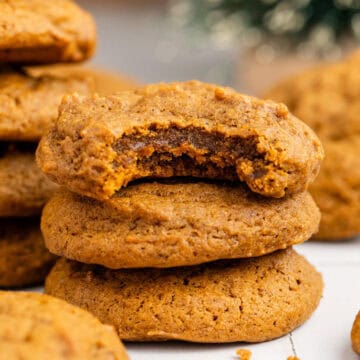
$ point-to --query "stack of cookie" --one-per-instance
(31, 33)
(197, 247)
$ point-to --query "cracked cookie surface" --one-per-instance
(100, 144)
(38, 326)
(42, 31)
(250, 300)
(175, 223)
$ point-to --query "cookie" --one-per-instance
(250, 300)
(29, 103)
(355, 334)
(327, 98)
(24, 189)
(42, 31)
(175, 224)
(336, 190)
(100, 144)
(24, 260)
(106, 82)
(38, 326)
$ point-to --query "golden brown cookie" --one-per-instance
(38, 326)
(24, 189)
(175, 224)
(42, 31)
(24, 260)
(29, 103)
(250, 300)
(327, 98)
(355, 334)
(106, 82)
(99, 144)
(336, 190)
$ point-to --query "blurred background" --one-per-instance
(245, 44)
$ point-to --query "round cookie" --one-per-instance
(100, 144)
(175, 224)
(24, 260)
(42, 31)
(23, 188)
(29, 102)
(336, 190)
(327, 98)
(106, 82)
(250, 300)
(355, 334)
(38, 326)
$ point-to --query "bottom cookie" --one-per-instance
(24, 260)
(355, 334)
(37, 326)
(250, 300)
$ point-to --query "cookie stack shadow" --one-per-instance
(178, 209)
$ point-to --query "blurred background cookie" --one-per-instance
(327, 98)
(24, 260)
(41, 31)
(37, 326)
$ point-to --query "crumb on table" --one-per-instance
(243, 354)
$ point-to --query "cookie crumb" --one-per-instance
(243, 354)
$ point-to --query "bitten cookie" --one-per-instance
(355, 334)
(327, 98)
(24, 260)
(174, 224)
(42, 31)
(24, 189)
(99, 144)
(29, 103)
(250, 300)
(38, 326)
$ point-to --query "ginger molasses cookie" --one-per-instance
(42, 31)
(355, 334)
(100, 144)
(174, 224)
(24, 260)
(29, 103)
(24, 189)
(250, 300)
(38, 326)
(106, 82)
(327, 98)
(336, 190)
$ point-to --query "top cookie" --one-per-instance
(99, 144)
(42, 31)
(37, 326)
(327, 98)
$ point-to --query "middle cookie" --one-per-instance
(175, 223)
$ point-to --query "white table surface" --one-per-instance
(326, 336)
